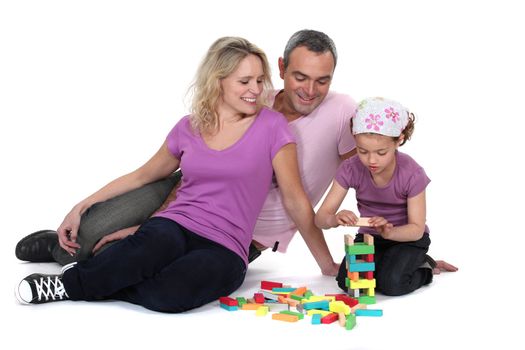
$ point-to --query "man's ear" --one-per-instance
(281, 67)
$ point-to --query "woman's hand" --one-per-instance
(68, 231)
(115, 236)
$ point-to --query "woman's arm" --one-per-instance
(159, 166)
(413, 231)
(299, 208)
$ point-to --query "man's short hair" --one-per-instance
(313, 40)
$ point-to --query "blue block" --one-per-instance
(369, 312)
(316, 319)
(362, 267)
(229, 308)
(321, 305)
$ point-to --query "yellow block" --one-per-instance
(363, 283)
(339, 306)
(262, 311)
(315, 311)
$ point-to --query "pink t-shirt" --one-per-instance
(222, 192)
(409, 179)
(322, 136)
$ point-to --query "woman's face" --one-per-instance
(242, 88)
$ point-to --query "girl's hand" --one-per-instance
(346, 218)
(382, 226)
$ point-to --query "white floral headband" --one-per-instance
(380, 116)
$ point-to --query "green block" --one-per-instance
(350, 322)
(359, 249)
(296, 297)
(365, 299)
(308, 294)
(241, 301)
(298, 314)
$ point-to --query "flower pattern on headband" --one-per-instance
(391, 113)
(374, 122)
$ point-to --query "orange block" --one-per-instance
(285, 317)
(250, 306)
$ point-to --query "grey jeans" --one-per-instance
(126, 210)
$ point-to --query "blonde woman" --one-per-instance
(196, 249)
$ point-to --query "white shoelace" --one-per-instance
(50, 287)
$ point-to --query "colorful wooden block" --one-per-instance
(316, 319)
(359, 249)
(284, 317)
(268, 285)
(369, 312)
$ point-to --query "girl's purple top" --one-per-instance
(222, 192)
(409, 179)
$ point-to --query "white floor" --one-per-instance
(455, 309)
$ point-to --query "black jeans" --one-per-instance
(398, 268)
(129, 209)
(163, 267)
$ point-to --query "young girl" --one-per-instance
(390, 189)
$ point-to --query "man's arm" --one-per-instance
(299, 208)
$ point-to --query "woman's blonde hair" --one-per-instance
(220, 61)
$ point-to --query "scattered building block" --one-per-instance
(228, 301)
(316, 319)
(369, 312)
(284, 317)
(262, 311)
(268, 285)
(229, 308)
(330, 318)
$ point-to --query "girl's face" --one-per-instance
(242, 87)
(377, 152)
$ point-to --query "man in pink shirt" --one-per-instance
(320, 120)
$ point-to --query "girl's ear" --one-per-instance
(400, 140)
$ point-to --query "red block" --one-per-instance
(228, 301)
(259, 298)
(267, 285)
(330, 318)
(347, 300)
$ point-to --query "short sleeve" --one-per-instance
(346, 174)
(346, 141)
(173, 140)
(417, 182)
(281, 135)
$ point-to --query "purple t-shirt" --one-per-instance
(222, 192)
(409, 179)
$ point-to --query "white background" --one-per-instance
(89, 90)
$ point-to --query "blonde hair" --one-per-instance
(222, 58)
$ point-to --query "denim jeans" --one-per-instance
(398, 268)
(126, 210)
(163, 267)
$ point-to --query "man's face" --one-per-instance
(306, 79)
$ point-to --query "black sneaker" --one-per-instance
(37, 247)
(39, 288)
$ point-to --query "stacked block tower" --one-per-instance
(360, 265)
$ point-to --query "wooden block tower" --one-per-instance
(360, 266)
